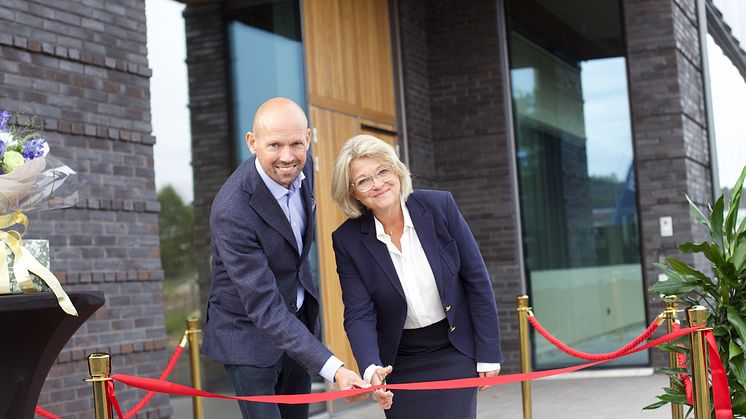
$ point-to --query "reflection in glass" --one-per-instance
(577, 186)
(266, 60)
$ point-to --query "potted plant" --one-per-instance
(723, 293)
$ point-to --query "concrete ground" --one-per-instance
(585, 396)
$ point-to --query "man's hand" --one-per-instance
(488, 374)
(383, 397)
(347, 380)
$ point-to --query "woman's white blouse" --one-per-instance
(424, 306)
(415, 274)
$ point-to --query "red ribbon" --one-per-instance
(720, 389)
(178, 389)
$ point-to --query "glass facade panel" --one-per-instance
(576, 176)
(266, 60)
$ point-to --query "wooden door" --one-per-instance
(349, 70)
(331, 130)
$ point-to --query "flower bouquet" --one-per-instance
(30, 179)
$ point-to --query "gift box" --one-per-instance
(39, 249)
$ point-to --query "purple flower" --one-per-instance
(2, 148)
(4, 120)
(35, 148)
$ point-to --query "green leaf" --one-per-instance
(721, 330)
(733, 349)
(737, 366)
(735, 200)
(694, 209)
(672, 371)
(739, 403)
(683, 340)
(740, 344)
(668, 347)
(673, 398)
(29, 136)
(690, 247)
(672, 286)
(654, 405)
(685, 269)
(739, 256)
(737, 322)
(674, 391)
(670, 273)
(716, 226)
(712, 253)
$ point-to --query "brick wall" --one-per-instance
(454, 101)
(84, 72)
(669, 125)
(209, 104)
(415, 78)
(453, 95)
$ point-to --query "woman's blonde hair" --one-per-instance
(358, 147)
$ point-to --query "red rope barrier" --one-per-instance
(681, 360)
(593, 357)
(177, 389)
(164, 375)
(721, 392)
(113, 398)
(45, 413)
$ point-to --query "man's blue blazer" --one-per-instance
(375, 306)
(256, 269)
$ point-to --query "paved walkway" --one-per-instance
(575, 398)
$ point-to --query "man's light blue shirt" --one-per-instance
(291, 202)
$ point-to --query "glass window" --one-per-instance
(266, 60)
(727, 92)
(576, 175)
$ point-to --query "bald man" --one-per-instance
(262, 311)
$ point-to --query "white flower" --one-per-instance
(6, 138)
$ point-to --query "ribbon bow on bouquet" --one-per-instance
(30, 179)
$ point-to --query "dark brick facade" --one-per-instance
(669, 126)
(81, 67)
(453, 92)
(457, 140)
(458, 127)
(209, 105)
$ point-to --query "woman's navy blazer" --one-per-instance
(375, 305)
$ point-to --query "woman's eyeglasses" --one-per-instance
(365, 183)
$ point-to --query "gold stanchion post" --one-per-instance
(697, 316)
(522, 308)
(99, 366)
(193, 332)
(671, 301)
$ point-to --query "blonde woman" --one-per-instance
(417, 295)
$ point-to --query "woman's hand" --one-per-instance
(385, 398)
(488, 374)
